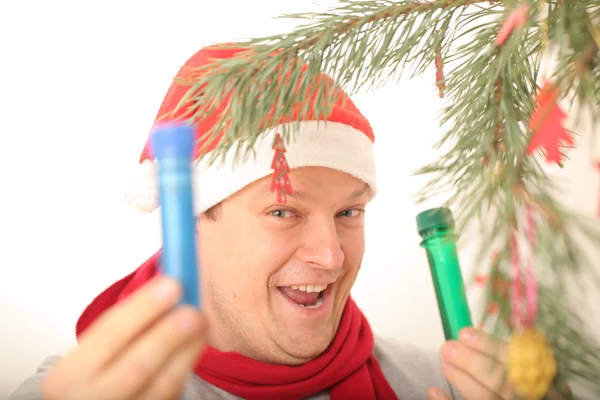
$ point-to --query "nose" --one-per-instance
(321, 244)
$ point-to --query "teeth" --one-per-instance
(310, 288)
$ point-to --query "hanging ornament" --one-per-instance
(439, 71)
(280, 181)
(531, 364)
(516, 289)
(547, 125)
(516, 20)
(499, 146)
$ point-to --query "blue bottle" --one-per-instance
(173, 147)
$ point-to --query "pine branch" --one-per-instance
(485, 171)
(493, 173)
(359, 44)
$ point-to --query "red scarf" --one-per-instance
(347, 369)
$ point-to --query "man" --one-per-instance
(277, 320)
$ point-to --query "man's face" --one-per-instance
(276, 277)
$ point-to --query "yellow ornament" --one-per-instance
(531, 364)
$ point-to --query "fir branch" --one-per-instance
(359, 44)
(485, 171)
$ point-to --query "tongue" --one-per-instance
(300, 297)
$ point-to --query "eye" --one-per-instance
(281, 213)
(350, 213)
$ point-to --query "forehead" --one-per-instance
(311, 183)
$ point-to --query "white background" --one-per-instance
(80, 83)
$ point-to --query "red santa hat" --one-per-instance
(344, 143)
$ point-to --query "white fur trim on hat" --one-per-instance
(317, 143)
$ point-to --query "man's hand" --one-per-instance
(475, 366)
(142, 348)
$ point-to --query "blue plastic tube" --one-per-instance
(173, 147)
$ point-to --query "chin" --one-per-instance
(308, 347)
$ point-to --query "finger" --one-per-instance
(486, 371)
(119, 325)
(561, 391)
(170, 381)
(132, 372)
(468, 387)
(436, 393)
(110, 333)
(485, 343)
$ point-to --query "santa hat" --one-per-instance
(344, 143)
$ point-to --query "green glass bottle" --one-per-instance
(436, 227)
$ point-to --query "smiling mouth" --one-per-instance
(306, 296)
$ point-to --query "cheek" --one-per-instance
(222, 277)
(222, 260)
(352, 243)
(239, 260)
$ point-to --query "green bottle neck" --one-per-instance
(437, 235)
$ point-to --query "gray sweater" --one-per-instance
(409, 370)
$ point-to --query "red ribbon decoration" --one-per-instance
(516, 292)
(524, 292)
(531, 282)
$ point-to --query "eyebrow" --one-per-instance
(300, 195)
